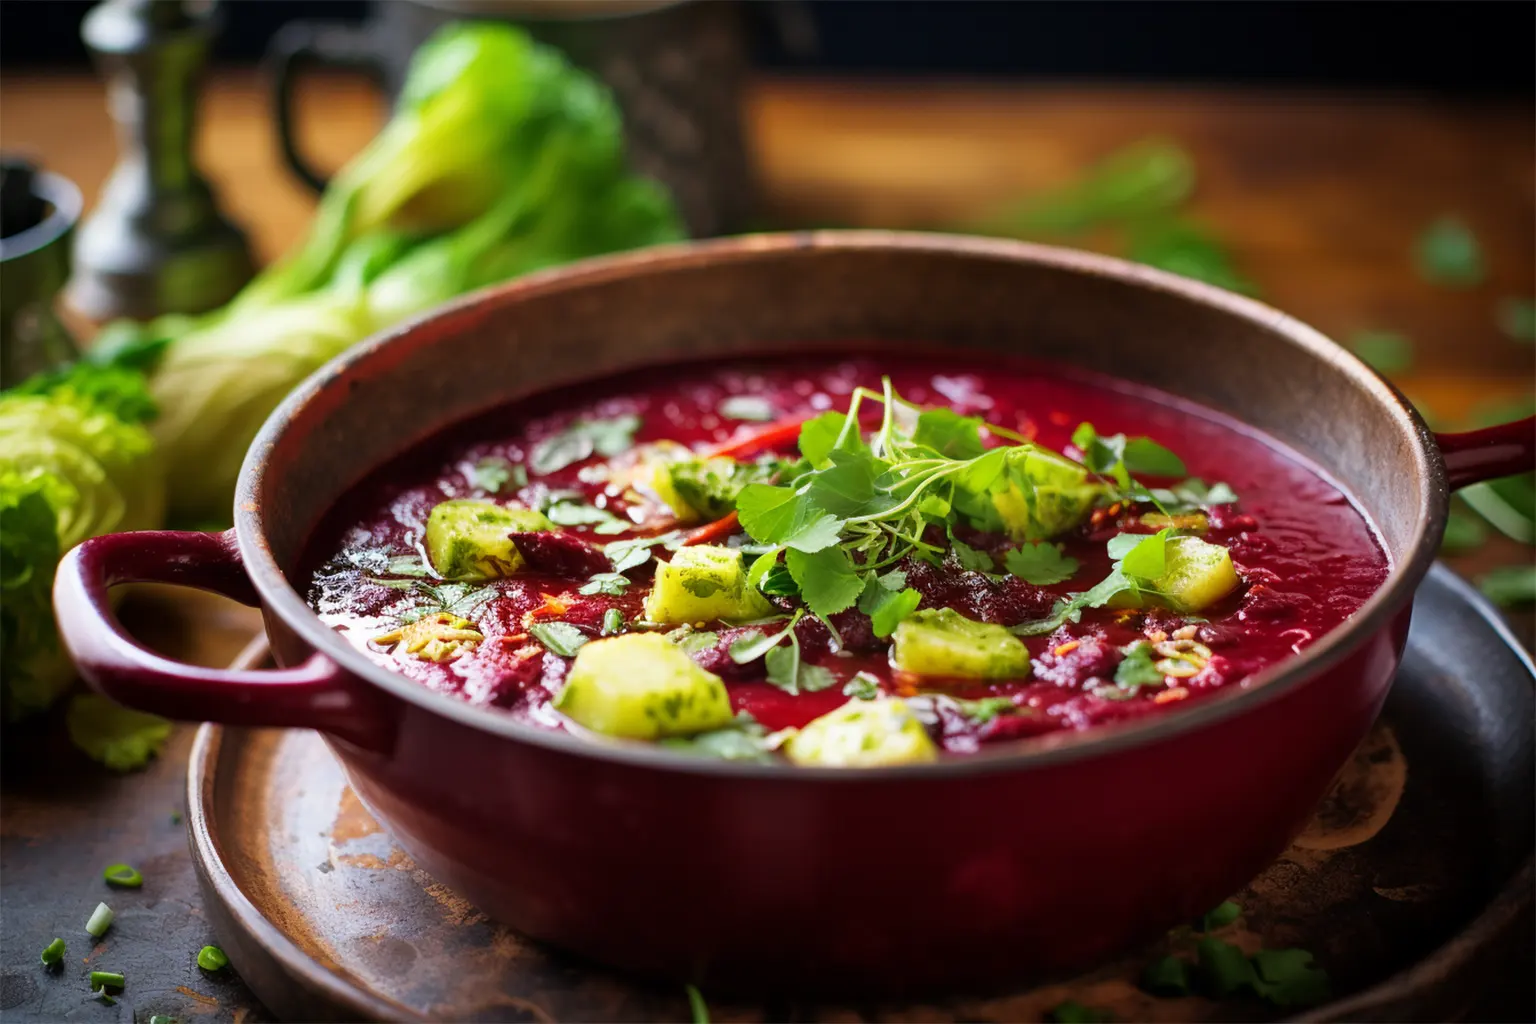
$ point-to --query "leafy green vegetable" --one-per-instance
(569, 512)
(118, 737)
(1193, 494)
(560, 638)
(500, 158)
(1168, 976)
(636, 551)
(1447, 254)
(1517, 318)
(1117, 456)
(582, 440)
(1040, 564)
(789, 673)
(971, 559)
(1510, 585)
(1385, 351)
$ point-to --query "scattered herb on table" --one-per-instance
(1447, 254)
(1168, 976)
(212, 958)
(53, 953)
(106, 979)
(1224, 967)
(123, 876)
(100, 920)
(581, 440)
(118, 737)
(1289, 977)
(1386, 352)
(1222, 915)
(1180, 246)
(1072, 1012)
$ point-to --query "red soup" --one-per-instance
(854, 562)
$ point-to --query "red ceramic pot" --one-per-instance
(971, 871)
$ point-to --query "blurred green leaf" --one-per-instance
(1463, 533)
(1517, 318)
(1386, 351)
(1447, 254)
(1181, 246)
(1140, 180)
(1510, 585)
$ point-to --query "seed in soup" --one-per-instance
(851, 563)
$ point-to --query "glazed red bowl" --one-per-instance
(1041, 855)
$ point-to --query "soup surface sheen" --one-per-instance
(1302, 558)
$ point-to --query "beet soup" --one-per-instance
(850, 562)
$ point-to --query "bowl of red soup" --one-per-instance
(825, 611)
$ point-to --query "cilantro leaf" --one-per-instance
(1447, 254)
(846, 487)
(780, 515)
(1192, 494)
(884, 606)
(1383, 351)
(1147, 559)
(863, 686)
(819, 436)
(754, 408)
(789, 673)
(628, 554)
(610, 583)
(743, 740)
(1288, 977)
(948, 433)
(493, 473)
(1117, 457)
(1040, 564)
(1138, 669)
(827, 579)
(568, 512)
(750, 646)
(1070, 609)
(560, 638)
(120, 738)
(581, 440)
(971, 559)
(1144, 455)
(695, 640)
(778, 582)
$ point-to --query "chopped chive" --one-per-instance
(101, 920)
(161, 1018)
(696, 1005)
(106, 979)
(123, 876)
(53, 952)
(212, 958)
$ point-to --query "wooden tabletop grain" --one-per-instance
(1320, 198)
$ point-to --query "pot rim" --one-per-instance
(1050, 750)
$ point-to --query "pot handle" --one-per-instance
(301, 44)
(317, 694)
(1488, 454)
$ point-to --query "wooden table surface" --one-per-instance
(1320, 198)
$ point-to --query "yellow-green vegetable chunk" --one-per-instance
(862, 734)
(1196, 575)
(468, 539)
(641, 686)
(1046, 494)
(942, 642)
(704, 583)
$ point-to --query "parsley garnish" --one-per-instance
(610, 583)
(581, 440)
(863, 686)
(561, 638)
(743, 740)
(1117, 456)
(1138, 669)
(782, 662)
(887, 600)
(492, 474)
(1040, 564)
(628, 554)
(575, 512)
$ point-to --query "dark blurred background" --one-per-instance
(1459, 47)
